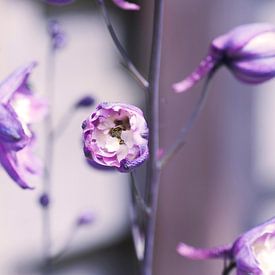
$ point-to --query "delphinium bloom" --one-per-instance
(252, 253)
(19, 108)
(116, 135)
(248, 51)
(120, 3)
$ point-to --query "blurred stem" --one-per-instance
(48, 154)
(127, 61)
(190, 122)
(229, 268)
(153, 178)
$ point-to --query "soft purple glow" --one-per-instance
(116, 135)
(19, 109)
(248, 51)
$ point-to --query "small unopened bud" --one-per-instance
(248, 51)
(44, 200)
(58, 36)
(85, 218)
(86, 101)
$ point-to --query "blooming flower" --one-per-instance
(120, 3)
(116, 135)
(248, 51)
(18, 109)
(253, 252)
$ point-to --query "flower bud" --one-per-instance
(253, 252)
(85, 218)
(116, 135)
(248, 51)
(86, 101)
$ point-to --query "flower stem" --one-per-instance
(48, 160)
(153, 178)
(229, 268)
(127, 61)
(191, 121)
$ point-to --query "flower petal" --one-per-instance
(126, 5)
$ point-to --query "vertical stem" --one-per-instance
(49, 146)
(153, 178)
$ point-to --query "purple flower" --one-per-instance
(19, 108)
(116, 135)
(120, 3)
(248, 51)
(253, 252)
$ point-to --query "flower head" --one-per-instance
(116, 135)
(248, 51)
(57, 35)
(125, 5)
(19, 108)
(253, 252)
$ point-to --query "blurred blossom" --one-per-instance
(120, 3)
(253, 252)
(86, 101)
(85, 218)
(44, 200)
(116, 135)
(58, 36)
(248, 51)
(19, 108)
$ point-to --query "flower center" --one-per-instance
(121, 125)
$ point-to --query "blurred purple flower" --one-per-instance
(58, 36)
(85, 218)
(116, 135)
(253, 252)
(86, 101)
(248, 51)
(18, 109)
(120, 3)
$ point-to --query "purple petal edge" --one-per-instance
(203, 253)
(204, 68)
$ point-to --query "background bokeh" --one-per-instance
(220, 184)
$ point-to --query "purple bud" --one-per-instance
(86, 101)
(85, 218)
(58, 36)
(248, 51)
(44, 200)
(253, 252)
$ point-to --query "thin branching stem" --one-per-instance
(229, 268)
(125, 57)
(190, 122)
(153, 178)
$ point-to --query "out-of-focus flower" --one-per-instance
(86, 101)
(125, 5)
(253, 252)
(19, 108)
(58, 36)
(116, 135)
(248, 51)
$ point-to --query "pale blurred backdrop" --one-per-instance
(220, 184)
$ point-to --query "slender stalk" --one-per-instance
(48, 155)
(127, 61)
(190, 122)
(229, 268)
(153, 178)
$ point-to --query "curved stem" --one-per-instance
(229, 268)
(191, 121)
(153, 178)
(128, 63)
